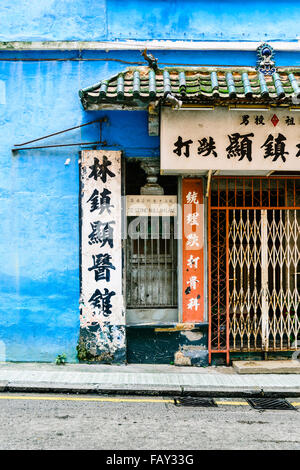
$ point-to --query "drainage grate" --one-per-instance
(195, 401)
(270, 404)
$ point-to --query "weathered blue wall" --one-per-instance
(39, 245)
(39, 223)
(94, 20)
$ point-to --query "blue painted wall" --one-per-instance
(94, 20)
(39, 224)
(39, 245)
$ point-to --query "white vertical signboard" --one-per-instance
(102, 311)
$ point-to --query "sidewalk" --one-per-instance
(142, 379)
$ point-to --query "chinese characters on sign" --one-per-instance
(226, 140)
(192, 252)
(151, 206)
(101, 297)
(241, 146)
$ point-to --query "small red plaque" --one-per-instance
(274, 120)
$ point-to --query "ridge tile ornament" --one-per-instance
(265, 62)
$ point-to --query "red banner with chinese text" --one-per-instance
(192, 250)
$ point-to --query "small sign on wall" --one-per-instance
(151, 206)
(192, 250)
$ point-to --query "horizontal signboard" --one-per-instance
(231, 140)
(151, 205)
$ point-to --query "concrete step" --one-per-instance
(267, 367)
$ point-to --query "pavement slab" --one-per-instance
(267, 367)
(153, 380)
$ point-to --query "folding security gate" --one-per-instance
(254, 264)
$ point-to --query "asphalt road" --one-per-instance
(87, 422)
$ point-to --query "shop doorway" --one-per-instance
(254, 264)
(151, 252)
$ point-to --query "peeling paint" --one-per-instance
(177, 327)
(191, 347)
(192, 335)
(145, 345)
(102, 342)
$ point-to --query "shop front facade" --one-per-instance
(210, 237)
(153, 217)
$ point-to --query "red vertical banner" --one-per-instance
(192, 250)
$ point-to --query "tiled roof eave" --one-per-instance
(138, 86)
(216, 101)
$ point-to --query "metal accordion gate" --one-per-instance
(254, 264)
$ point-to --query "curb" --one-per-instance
(142, 390)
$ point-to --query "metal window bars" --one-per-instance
(152, 265)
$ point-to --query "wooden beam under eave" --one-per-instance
(153, 120)
(113, 107)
